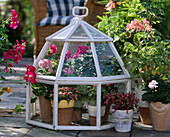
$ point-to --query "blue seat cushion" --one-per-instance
(59, 7)
(56, 20)
(59, 12)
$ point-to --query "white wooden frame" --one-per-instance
(58, 80)
(55, 125)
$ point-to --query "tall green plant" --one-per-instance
(132, 25)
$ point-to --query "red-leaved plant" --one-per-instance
(122, 101)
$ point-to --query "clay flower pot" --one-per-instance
(93, 114)
(65, 112)
(160, 115)
(77, 114)
(123, 120)
(143, 107)
(45, 109)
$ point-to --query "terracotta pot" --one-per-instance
(143, 107)
(145, 115)
(106, 115)
(159, 115)
(93, 114)
(77, 114)
(45, 109)
(93, 120)
(65, 112)
(123, 120)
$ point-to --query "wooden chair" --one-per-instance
(40, 12)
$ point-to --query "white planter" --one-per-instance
(93, 110)
(139, 93)
(123, 120)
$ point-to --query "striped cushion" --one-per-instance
(60, 12)
(56, 20)
(59, 7)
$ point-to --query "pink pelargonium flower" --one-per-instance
(153, 84)
(68, 55)
(69, 70)
(30, 74)
(110, 5)
(53, 49)
(45, 63)
(81, 50)
(14, 19)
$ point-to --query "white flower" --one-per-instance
(152, 84)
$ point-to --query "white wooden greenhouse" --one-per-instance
(85, 57)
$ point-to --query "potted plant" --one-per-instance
(43, 93)
(108, 90)
(66, 97)
(92, 107)
(131, 24)
(79, 107)
(158, 96)
(123, 105)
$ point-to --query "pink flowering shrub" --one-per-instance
(123, 101)
(110, 5)
(10, 54)
(137, 25)
(30, 74)
(16, 53)
(14, 19)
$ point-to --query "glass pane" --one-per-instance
(95, 34)
(42, 95)
(79, 33)
(108, 63)
(49, 64)
(63, 34)
(79, 61)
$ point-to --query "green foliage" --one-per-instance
(160, 94)
(26, 24)
(145, 52)
(41, 89)
(18, 108)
